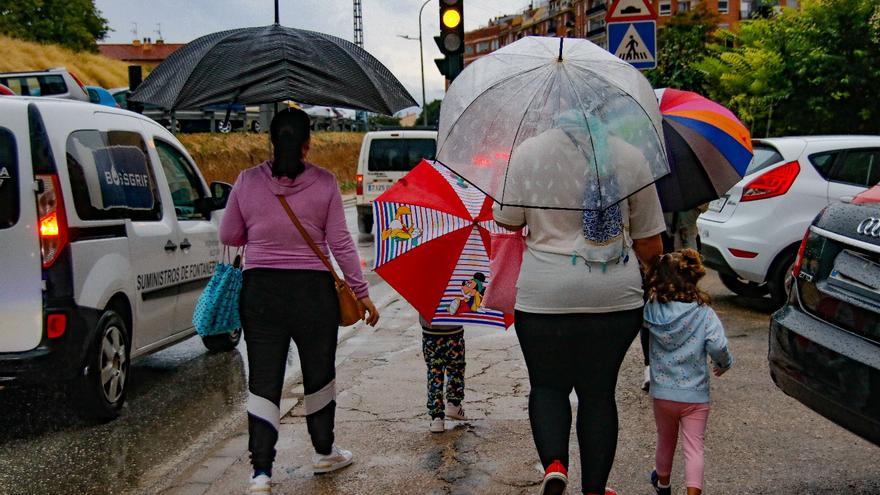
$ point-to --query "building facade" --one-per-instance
(586, 19)
(146, 52)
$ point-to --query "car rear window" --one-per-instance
(111, 177)
(36, 85)
(94, 97)
(764, 156)
(9, 194)
(399, 155)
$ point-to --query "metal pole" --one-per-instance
(422, 60)
(277, 20)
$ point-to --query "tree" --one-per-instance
(686, 38)
(76, 24)
(433, 111)
(807, 71)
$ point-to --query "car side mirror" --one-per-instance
(220, 192)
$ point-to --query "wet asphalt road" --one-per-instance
(179, 400)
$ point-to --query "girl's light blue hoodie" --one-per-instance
(682, 335)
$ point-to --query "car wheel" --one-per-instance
(224, 127)
(365, 223)
(743, 287)
(222, 343)
(256, 126)
(104, 384)
(781, 278)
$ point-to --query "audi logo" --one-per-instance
(870, 227)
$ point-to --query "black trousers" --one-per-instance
(277, 306)
(581, 352)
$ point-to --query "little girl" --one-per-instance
(683, 330)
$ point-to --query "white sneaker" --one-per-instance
(455, 412)
(336, 459)
(646, 382)
(438, 425)
(260, 484)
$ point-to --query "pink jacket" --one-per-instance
(253, 218)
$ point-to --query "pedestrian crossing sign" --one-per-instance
(634, 42)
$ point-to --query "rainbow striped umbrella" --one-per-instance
(432, 244)
(709, 149)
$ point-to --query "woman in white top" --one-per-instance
(579, 303)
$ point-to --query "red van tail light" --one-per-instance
(770, 184)
(796, 269)
(52, 223)
(56, 325)
(360, 185)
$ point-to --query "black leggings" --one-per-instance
(581, 352)
(277, 305)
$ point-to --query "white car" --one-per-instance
(386, 156)
(57, 83)
(751, 235)
(108, 232)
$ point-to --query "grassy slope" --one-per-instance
(223, 156)
(92, 69)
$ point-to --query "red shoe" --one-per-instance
(555, 479)
(608, 491)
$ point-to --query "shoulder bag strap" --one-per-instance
(307, 237)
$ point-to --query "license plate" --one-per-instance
(718, 204)
(377, 188)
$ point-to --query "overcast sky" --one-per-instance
(384, 20)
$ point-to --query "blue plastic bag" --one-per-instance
(217, 311)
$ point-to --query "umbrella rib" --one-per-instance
(516, 134)
(590, 132)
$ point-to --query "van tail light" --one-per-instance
(773, 183)
(56, 325)
(52, 223)
(796, 269)
(360, 185)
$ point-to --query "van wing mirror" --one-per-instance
(220, 192)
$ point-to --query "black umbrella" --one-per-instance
(270, 64)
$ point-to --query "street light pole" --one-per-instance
(422, 62)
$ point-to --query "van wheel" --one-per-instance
(103, 386)
(223, 342)
(256, 126)
(780, 279)
(743, 287)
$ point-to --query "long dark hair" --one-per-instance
(290, 129)
(674, 277)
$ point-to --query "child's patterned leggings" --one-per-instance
(444, 355)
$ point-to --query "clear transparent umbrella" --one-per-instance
(553, 123)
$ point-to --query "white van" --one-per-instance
(386, 156)
(108, 233)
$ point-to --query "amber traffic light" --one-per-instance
(451, 39)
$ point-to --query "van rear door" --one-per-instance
(21, 306)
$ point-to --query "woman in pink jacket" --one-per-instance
(288, 293)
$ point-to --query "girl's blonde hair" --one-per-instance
(674, 277)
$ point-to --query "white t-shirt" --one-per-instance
(555, 276)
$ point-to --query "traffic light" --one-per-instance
(451, 39)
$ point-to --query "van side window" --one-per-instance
(185, 185)
(9, 206)
(111, 177)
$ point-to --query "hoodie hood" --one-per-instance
(670, 319)
(285, 185)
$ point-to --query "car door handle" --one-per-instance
(185, 244)
(170, 246)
